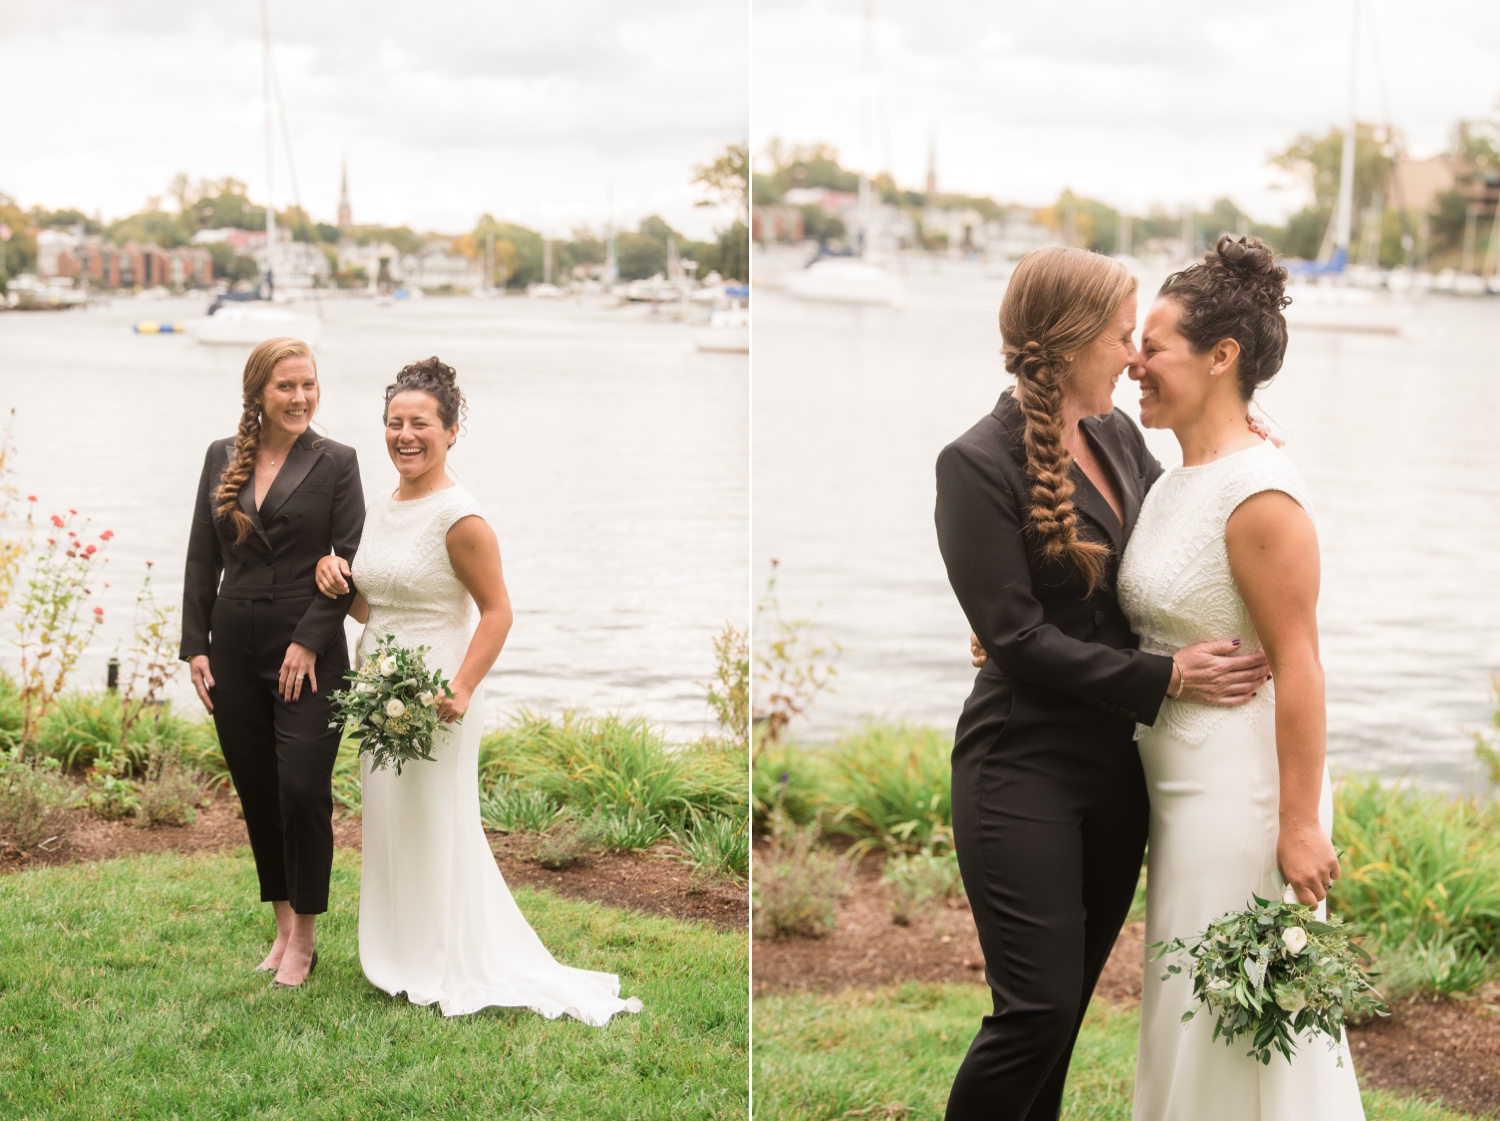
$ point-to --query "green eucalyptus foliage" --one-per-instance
(1273, 971)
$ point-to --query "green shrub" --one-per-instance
(1419, 868)
(34, 801)
(167, 796)
(920, 880)
(347, 791)
(613, 763)
(83, 729)
(566, 842)
(798, 883)
(716, 847)
(888, 783)
(626, 830)
(507, 807)
(791, 779)
(109, 795)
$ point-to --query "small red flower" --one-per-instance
(106, 535)
(99, 611)
(57, 521)
(74, 512)
(31, 498)
(150, 564)
(91, 549)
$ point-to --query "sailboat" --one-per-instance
(859, 278)
(253, 318)
(1332, 305)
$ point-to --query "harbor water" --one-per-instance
(1394, 433)
(609, 455)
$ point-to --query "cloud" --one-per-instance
(446, 109)
(1150, 100)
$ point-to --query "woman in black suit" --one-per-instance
(1034, 506)
(273, 500)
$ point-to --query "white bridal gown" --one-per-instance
(1212, 777)
(436, 920)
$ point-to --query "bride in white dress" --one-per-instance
(436, 920)
(1240, 797)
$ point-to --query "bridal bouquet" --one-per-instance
(391, 710)
(1271, 971)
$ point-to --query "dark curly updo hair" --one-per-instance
(1236, 292)
(436, 379)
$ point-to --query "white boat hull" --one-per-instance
(722, 340)
(247, 326)
(845, 282)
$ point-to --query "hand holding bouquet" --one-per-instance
(392, 708)
(1273, 970)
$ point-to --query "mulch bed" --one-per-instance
(652, 883)
(1448, 1049)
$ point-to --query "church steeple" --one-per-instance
(346, 216)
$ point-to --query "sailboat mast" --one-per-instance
(1346, 165)
(265, 36)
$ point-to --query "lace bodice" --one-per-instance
(1175, 585)
(403, 571)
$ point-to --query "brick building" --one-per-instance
(102, 264)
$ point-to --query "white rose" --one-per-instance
(394, 707)
(426, 699)
(364, 687)
(1294, 938)
(377, 720)
(1292, 999)
(387, 667)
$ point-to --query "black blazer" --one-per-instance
(315, 506)
(1033, 615)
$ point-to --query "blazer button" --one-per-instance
(1132, 716)
(1098, 618)
(270, 561)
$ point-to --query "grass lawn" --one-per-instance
(126, 991)
(891, 1054)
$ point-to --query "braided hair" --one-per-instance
(1058, 302)
(1236, 292)
(259, 368)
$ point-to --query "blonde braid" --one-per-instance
(1058, 301)
(1049, 464)
(238, 473)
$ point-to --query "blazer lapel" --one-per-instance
(299, 461)
(247, 504)
(1126, 480)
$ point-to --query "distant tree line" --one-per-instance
(1474, 150)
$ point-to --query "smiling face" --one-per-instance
(291, 395)
(1097, 367)
(414, 434)
(1175, 382)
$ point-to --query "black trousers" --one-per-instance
(1050, 814)
(280, 754)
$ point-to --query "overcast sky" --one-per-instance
(1131, 101)
(446, 108)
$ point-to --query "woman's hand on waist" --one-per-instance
(977, 655)
(333, 576)
(1216, 673)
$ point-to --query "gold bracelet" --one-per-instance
(1181, 680)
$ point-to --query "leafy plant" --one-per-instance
(716, 847)
(793, 668)
(798, 883)
(919, 880)
(1272, 971)
(34, 802)
(507, 807)
(391, 711)
(729, 691)
(153, 657)
(13, 537)
(566, 842)
(108, 794)
(56, 622)
(167, 796)
(627, 830)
